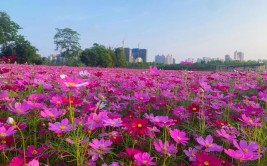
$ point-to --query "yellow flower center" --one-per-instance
(245, 150)
(141, 98)
(250, 121)
(2, 134)
(34, 152)
(222, 124)
(144, 161)
(18, 110)
(112, 122)
(206, 163)
(58, 102)
(164, 148)
(71, 84)
(179, 138)
(208, 145)
(139, 125)
(3, 142)
(51, 115)
(194, 109)
(62, 127)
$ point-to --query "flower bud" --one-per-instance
(10, 121)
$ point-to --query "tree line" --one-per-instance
(67, 44)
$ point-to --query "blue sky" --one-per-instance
(183, 28)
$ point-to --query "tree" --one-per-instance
(98, 55)
(8, 29)
(23, 50)
(120, 57)
(67, 42)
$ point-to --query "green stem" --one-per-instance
(23, 144)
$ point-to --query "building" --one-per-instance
(169, 59)
(227, 58)
(139, 53)
(239, 56)
(159, 59)
(128, 54)
(173, 61)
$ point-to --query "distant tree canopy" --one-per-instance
(14, 44)
(98, 55)
(8, 29)
(67, 42)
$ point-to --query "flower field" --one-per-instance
(59, 116)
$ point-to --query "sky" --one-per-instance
(182, 28)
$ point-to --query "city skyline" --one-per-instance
(194, 28)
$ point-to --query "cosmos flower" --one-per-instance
(4, 132)
(208, 144)
(165, 148)
(143, 159)
(52, 113)
(99, 148)
(137, 126)
(60, 127)
(191, 153)
(224, 134)
(113, 122)
(247, 121)
(179, 136)
(244, 151)
(19, 108)
(203, 159)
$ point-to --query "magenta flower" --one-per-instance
(143, 159)
(250, 122)
(165, 148)
(60, 127)
(141, 97)
(34, 153)
(113, 122)
(244, 151)
(6, 132)
(224, 134)
(57, 100)
(51, 113)
(191, 153)
(162, 121)
(99, 147)
(179, 136)
(33, 163)
(19, 108)
(208, 144)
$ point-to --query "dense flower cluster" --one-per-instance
(116, 117)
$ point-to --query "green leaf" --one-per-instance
(39, 89)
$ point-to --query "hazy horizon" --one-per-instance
(185, 29)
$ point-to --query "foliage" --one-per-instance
(8, 29)
(67, 42)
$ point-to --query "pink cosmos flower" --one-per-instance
(191, 153)
(224, 134)
(179, 136)
(17, 161)
(250, 122)
(19, 108)
(60, 127)
(52, 113)
(57, 100)
(99, 147)
(6, 132)
(143, 159)
(244, 151)
(113, 122)
(33, 163)
(165, 148)
(162, 121)
(72, 82)
(208, 144)
(141, 96)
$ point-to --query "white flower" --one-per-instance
(84, 73)
(10, 121)
(63, 76)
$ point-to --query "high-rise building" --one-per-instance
(143, 54)
(239, 56)
(159, 59)
(173, 61)
(139, 53)
(227, 58)
(169, 59)
(128, 54)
